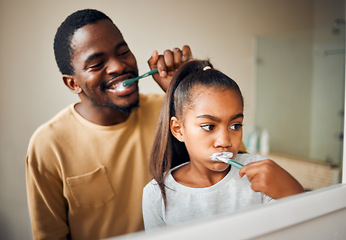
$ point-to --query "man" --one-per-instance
(86, 167)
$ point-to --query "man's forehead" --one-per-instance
(96, 30)
(94, 37)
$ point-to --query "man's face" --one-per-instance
(101, 59)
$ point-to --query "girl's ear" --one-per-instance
(176, 129)
(72, 84)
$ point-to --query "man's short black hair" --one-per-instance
(62, 41)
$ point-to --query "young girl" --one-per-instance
(203, 115)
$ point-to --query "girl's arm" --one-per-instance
(269, 178)
(152, 207)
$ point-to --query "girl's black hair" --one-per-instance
(167, 152)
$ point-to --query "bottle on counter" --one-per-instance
(264, 142)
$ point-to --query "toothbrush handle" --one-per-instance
(235, 164)
(130, 81)
(151, 72)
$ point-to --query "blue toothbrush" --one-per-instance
(226, 157)
(151, 72)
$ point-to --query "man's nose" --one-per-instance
(115, 66)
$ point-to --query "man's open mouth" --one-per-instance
(116, 83)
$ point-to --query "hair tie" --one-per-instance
(206, 68)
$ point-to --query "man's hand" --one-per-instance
(168, 63)
(270, 179)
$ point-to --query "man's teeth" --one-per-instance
(118, 86)
(113, 86)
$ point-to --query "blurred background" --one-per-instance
(287, 57)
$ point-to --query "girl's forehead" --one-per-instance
(203, 91)
(214, 98)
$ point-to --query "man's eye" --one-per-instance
(96, 66)
(208, 127)
(123, 53)
(236, 127)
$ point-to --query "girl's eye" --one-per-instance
(236, 127)
(208, 127)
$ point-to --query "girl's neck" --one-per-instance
(191, 176)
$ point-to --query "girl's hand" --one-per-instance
(270, 179)
(168, 63)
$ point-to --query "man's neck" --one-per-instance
(103, 116)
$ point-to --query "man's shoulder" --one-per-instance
(49, 138)
(150, 105)
(152, 98)
(55, 125)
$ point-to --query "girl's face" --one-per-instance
(212, 124)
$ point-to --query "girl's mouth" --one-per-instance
(221, 156)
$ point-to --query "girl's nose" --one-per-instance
(223, 140)
(115, 66)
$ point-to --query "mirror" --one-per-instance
(224, 31)
(300, 82)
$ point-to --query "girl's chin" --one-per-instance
(220, 167)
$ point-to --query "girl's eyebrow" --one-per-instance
(213, 118)
(239, 115)
(209, 117)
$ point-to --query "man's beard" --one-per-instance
(127, 109)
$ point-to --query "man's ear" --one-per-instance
(176, 129)
(72, 84)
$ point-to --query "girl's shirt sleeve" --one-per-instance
(152, 206)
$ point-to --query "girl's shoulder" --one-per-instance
(152, 190)
(153, 187)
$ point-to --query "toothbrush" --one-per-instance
(121, 86)
(151, 72)
(132, 80)
(226, 157)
